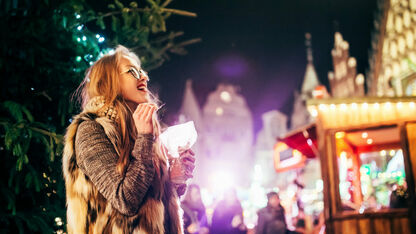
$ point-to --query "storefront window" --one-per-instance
(371, 169)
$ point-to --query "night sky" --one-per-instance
(260, 46)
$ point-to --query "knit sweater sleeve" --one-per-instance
(97, 158)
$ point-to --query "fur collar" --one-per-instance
(97, 105)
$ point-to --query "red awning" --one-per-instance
(303, 139)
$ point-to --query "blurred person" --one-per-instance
(271, 219)
(399, 197)
(118, 177)
(319, 224)
(194, 215)
(228, 215)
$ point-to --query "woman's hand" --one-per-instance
(181, 168)
(143, 116)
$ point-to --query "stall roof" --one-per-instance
(302, 139)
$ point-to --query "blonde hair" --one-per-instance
(103, 79)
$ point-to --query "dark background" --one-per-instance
(260, 47)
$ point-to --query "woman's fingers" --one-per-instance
(150, 113)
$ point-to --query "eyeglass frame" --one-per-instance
(133, 71)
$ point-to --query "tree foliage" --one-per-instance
(45, 47)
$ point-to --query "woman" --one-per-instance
(117, 175)
(194, 216)
(228, 215)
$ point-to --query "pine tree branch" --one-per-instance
(163, 10)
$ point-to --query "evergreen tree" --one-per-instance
(45, 47)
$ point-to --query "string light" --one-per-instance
(340, 135)
(399, 105)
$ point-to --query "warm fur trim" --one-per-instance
(89, 212)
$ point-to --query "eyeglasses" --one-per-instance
(137, 74)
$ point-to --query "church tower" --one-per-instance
(300, 115)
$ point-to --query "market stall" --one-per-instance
(367, 147)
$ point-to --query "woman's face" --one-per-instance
(134, 89)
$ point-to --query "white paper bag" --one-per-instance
(179, 136)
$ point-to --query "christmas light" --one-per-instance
(399, 105)
(80, 27)
(369, 141)
(101, 39)
(314, 112)
(84, 38)
(364, 135)
(340, 135)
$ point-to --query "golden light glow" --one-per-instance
(219, 111)
(399, 105)
(369, 141)
(337, 115)
(383, 153)
(314, 112)
(225, 96)
(392, 153)
(340, 135)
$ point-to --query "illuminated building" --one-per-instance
(344, 80)
(225, 133)
(393, 53)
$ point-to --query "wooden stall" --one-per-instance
(367, 150)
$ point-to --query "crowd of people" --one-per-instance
(228, 216)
